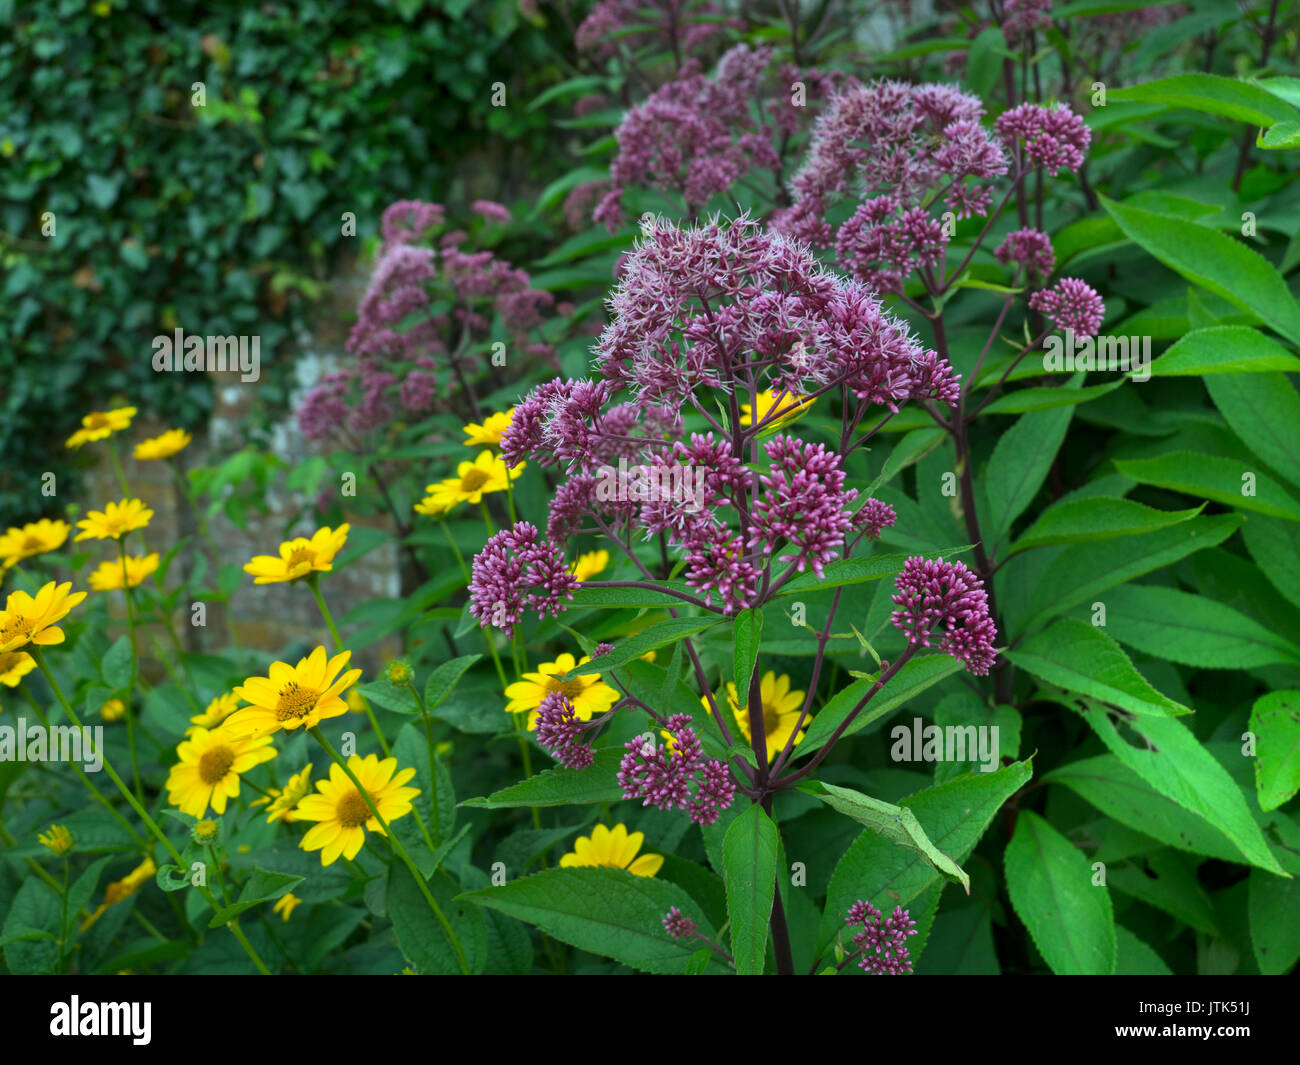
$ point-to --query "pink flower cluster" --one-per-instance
(1021, 17)
(517, 570)
(934, 594)
(559, 731)
(1054, 138)
(883, 940)
(664, 775)
(1030, 248)
(695, 136)
(400, 336)
(890, 144)
(1072, 305)
(678, 925)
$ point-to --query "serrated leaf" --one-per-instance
(1275, 721)
(1076, 521)
(749, 852)
(1051, 886)
(443, 680)
(1224, 349)
(560, 787)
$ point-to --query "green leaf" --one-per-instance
(1272, 905)
(746, 634)
(1050, 884)
(1018, 467)
(897, 824)
(1074, 521)
(611, 598)
(1167, 882)
(561, 787)
(855, 571)
(955, 815)
(1080, 657)
(1275, 547)
(1191, 629)
(261, 886)
(1167, 756)
(670, 630)
(1079, 574)
(1119, 793)
(603, 911)
(1275, 721)
(422, 936)
(444, 679)
(1047, 398)
(912, 679)
(34, 908)
(1224, 349)
(1264, 410)
(1212, 94)
(1216, 262)
(1212, 477)
(116, 667)
(749, 858)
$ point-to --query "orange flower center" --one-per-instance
(32, 545)
(295, 701)
(17, 625)
(301, 555)
(474, 479)
(570, 689)
(352, 810)
(97, 421)
(215, 764)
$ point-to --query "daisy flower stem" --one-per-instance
(99, 795)
(138, 807)
(396, 844)
(130, 691)
(117, 465)
(451, 542)
(314, 585)
(427, 718)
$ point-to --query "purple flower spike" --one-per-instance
(559, 731)
(678, 925)
(883, 942)
(664, 774)
(934, 594)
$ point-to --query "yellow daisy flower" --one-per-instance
(473, 480)
(293, 697)
(124, 888)
(791, 406)
(588, 693)
(209, 767)
(113, 710)
(164, 446)
(14, 665)
(57, 840)
(781, 708)
(489, 434)
(286, 904)
(26, 620)
(430, 505)
(284, 800)
(108, 577)
(34, 538)
(300, 557)
(100, 424)
(114, 521)
(589, 565)
(214, 713)
(341, 809)
(615, 848)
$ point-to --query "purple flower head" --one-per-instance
(664, 775)
(873, 517)
(491, 211)
(883, 940)
(559, 731)
(418, 390)
(1022, 17)
(408, 221)
(1071, 304)
(516, 571)
(1054, 138)
(804, 504)
(678, 925)
(1027, 247)
(948, 596)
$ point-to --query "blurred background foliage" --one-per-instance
(226, 218)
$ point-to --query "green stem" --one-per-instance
(130, 691)
(433, 763)
(314, 585)
(117, 465)
(397, 846)
(233, 923)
